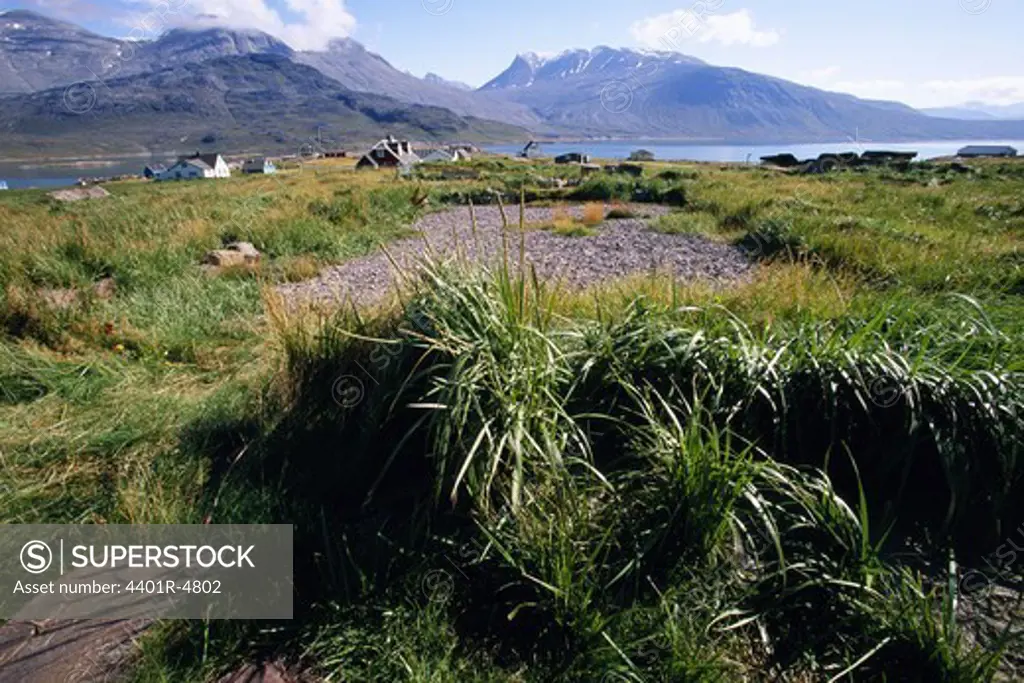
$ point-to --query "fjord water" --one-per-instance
(688, 151)
(25, 174)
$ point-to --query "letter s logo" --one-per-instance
(36, 557)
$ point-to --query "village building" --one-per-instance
(389, 153)
(573, 158)
(259, 165)
(443, 155)
(987, 151)
(197, 166)
(153, 170)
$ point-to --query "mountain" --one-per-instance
(355, 67)
(603, 92)
(631, 93)
(573, 67)
(250, 102)
(37, 52)
(185, 46)
(434, 79)
(974, 111)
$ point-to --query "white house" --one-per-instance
(197, 166)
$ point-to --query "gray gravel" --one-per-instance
(621, 247)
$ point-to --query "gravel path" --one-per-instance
(620, 247)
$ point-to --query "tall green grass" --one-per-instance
(499, 481)
(666, 494)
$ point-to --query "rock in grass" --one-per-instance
(105, 288)
(235, 254)
(224, 258)
(246, 249)
(79, 194)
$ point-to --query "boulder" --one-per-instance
(234, 254)
(105, 288)
(247, 250)
(224, 258)
(79, 194)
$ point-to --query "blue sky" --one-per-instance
(923, 52)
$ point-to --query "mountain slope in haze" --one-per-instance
(355, 67)
(631, 93)
(603, 92)
(185, 46)
(37, 52)
(959, 113)
(974, 111)
(440, 80)
(264, 102)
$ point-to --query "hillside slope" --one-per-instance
(255, 101)
(355, 67)
(39, 53)
(630, 93)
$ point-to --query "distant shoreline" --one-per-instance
(86, 161)
(82, 159)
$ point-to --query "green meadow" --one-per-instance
(492, 478)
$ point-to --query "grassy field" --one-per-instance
(495, 479)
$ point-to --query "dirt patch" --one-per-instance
(67, 651)
(617, 248)
(267, 673)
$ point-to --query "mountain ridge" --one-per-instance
(357, 68)
(43, 53)
(606, 92)
(261, 101)
(596, 92)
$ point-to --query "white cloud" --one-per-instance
(999, 90)
(823, 74)
(673, 29)
(322, 20)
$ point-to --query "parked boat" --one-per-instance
(3, 184)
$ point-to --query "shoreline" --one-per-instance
(89, 160)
